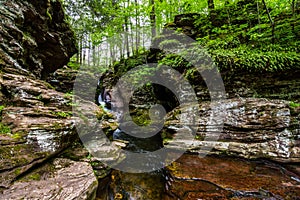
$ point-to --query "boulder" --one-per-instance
(41, 124)
(61, 179)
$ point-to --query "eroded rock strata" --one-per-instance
(37, 123)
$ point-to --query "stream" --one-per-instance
(193, 177)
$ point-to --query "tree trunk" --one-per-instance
(293, 11)
(271, 21)
(153, 18)
(258, 17)
(137, 32)
(212, 14)
(126, 36)
(80, 50)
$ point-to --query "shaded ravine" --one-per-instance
(212, 177)
(193, 177)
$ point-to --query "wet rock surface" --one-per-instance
(63, 79)
(37, 123)
(61, 179)
(194, 177)
(252, 128)
(41, 125)
(35, 38)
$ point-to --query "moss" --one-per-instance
(141, 117)
(199, 137)
(34, 176)
(1, 108)
(17, 171)
(68, 95)
(294, 108)
(169, 44)
(57, 126)
(48, 85)
(83, 117)
(72, 104)
(17, 136)
(294, 105)
(62, 114)
(4, 129)
(39, 97)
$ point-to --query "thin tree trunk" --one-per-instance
(83, 49)
(126, 33)
(137, 22)
(271, 21)
(153, 18)
(98, 55)
(80, 49)
(212, 14)
(258, 17)
(78, 53)
(293, 11)
(228, 13)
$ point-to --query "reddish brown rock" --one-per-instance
(192, 177)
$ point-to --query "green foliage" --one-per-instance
(34, 176)
(294, 105)
(249, 59)
(1, 108)
(141, 117)
(68, 95)
(17, 136)
(238, 34)
(49, 14)
(169, 44)
(73, 65)
(4, 129)
(175, 61)
(124, 65)
(62, 114)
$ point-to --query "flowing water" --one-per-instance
(192, 177)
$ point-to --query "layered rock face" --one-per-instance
(37, 124)
(34, 37)
(249, 128)
(237, 142)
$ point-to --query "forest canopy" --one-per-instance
(108, 30)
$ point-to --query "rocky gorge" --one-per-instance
(255, 156)
(37, 125)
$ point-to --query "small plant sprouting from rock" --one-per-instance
(294, 104)
(68, 95)
(62, 114)
(4, 129)
(1, 108)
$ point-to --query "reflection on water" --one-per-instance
(142, 186)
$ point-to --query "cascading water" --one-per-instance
(129, 185)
